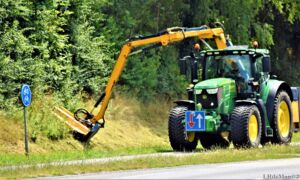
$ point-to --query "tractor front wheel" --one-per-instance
(282, 119)
(246, 126)
(180, 139)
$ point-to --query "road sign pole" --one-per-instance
(26, 100)
(25, 133)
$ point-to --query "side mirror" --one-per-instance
(266, 64)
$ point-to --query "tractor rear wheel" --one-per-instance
(282, 119)
(180, 139)
(246, 126)
(211, 140)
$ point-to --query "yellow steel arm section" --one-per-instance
(172, 35)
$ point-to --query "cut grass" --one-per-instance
(19, 159)
(296, 137)
(7, 159)
(214, 156)
(129, 124)
(131, 128)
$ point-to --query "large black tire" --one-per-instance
(241, 132)
(279, 136)
(177, 135)
(211, 140)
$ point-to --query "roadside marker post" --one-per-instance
(26, 100)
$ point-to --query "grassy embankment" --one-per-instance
(131, 128)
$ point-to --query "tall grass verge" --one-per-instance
(129, 123)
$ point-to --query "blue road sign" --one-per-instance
(195, 121)
(26, 95)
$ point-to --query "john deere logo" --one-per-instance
(204, 97)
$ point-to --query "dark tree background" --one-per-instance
(67, 47)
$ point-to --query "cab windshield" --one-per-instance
(237, 67)
(230, 66)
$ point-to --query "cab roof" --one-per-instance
(236, 50)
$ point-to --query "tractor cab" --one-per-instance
(245, 68)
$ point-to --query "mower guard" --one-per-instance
(65, 115)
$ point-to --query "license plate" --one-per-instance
(195, 121)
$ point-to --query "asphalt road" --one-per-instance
(262, 169)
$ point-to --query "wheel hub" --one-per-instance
(253, 128)
(283, 119)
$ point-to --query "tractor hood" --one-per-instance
(214, 83)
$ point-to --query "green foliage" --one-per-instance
(91, 55)
(264, 33)
(288, 8)
(65, 48)
(238, 16)
(170, 82)
(140, 80)
(284, 20)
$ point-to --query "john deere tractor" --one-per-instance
(237, 100)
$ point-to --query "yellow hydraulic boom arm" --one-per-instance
(86, 127)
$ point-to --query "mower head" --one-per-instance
(83, 128)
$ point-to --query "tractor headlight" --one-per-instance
(212, 91)
(198, 91)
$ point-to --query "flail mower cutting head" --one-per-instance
(83, 128)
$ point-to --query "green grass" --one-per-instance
(214, 156)
(131, 128)
(296, 137)
(21, 159)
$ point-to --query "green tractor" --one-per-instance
(237, 100)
